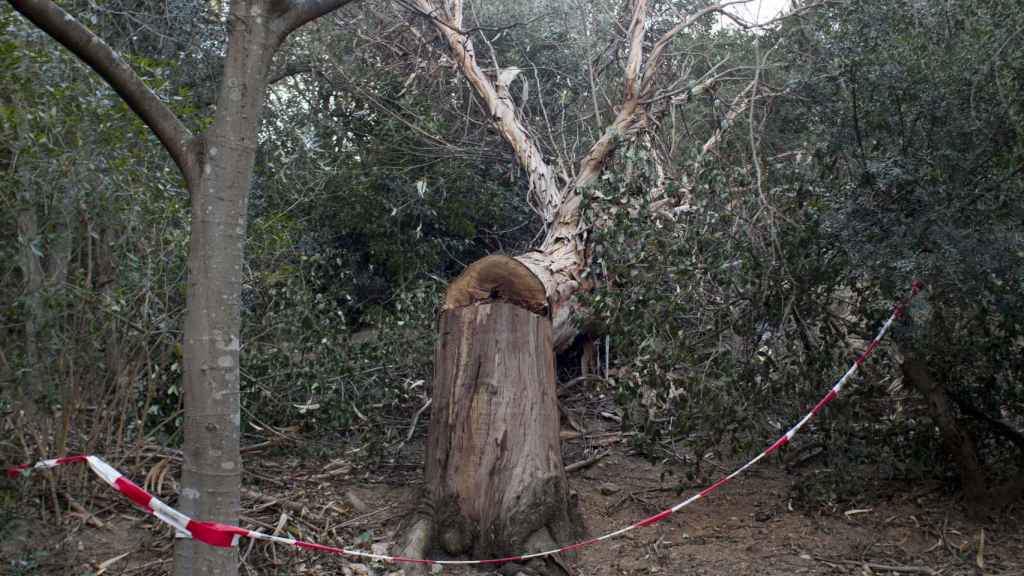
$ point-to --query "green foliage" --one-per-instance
(893, 154)
(888, 134)
(921, 148)
(357, 222)
(89, 193)
(709, 322)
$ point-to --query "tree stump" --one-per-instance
(495, 482)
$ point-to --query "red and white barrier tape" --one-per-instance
(224, 535)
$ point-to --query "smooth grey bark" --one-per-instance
(212, 469)
(217, 167)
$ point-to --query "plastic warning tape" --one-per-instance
(225, 535)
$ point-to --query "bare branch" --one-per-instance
(739, 104)
(745, 25)
(655, 58)
(92, 50)
(636, 47)
(628, 117)
(545, 194)
(695, 88)
(289, 70)
(453, 9)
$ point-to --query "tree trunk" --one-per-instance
(32, 275)
(495, 480)
(958, 442)
(62, 239)
(212, 468)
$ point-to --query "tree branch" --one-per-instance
(637, 29)
(289, 70)
(999, 426)
(545, 193)
(92, 50)
(299, 13)
(739, 104)
(627, 118)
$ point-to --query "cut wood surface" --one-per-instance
(497, 277)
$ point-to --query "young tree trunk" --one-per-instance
(217, 167)
(59, 257)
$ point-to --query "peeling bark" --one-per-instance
(563, 256)
(494, 478)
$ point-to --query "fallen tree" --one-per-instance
(495, 482)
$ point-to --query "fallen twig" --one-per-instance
(103, 566)
(564, 388)
(294, 507)
(146, 566)
(261, 445)
(89, 517)
(412, 425)
(363, 517)
(586, 463)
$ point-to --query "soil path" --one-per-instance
(769, 522)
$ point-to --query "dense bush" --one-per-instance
(888, 157)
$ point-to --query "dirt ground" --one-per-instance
(763, 523)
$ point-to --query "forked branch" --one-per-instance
(659, 46)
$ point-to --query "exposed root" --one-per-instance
(416, 544)
(550, 565)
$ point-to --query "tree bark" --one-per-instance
(495, 478)
(32, 275)
(212, 467)
(61, 243)
(958, 442)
